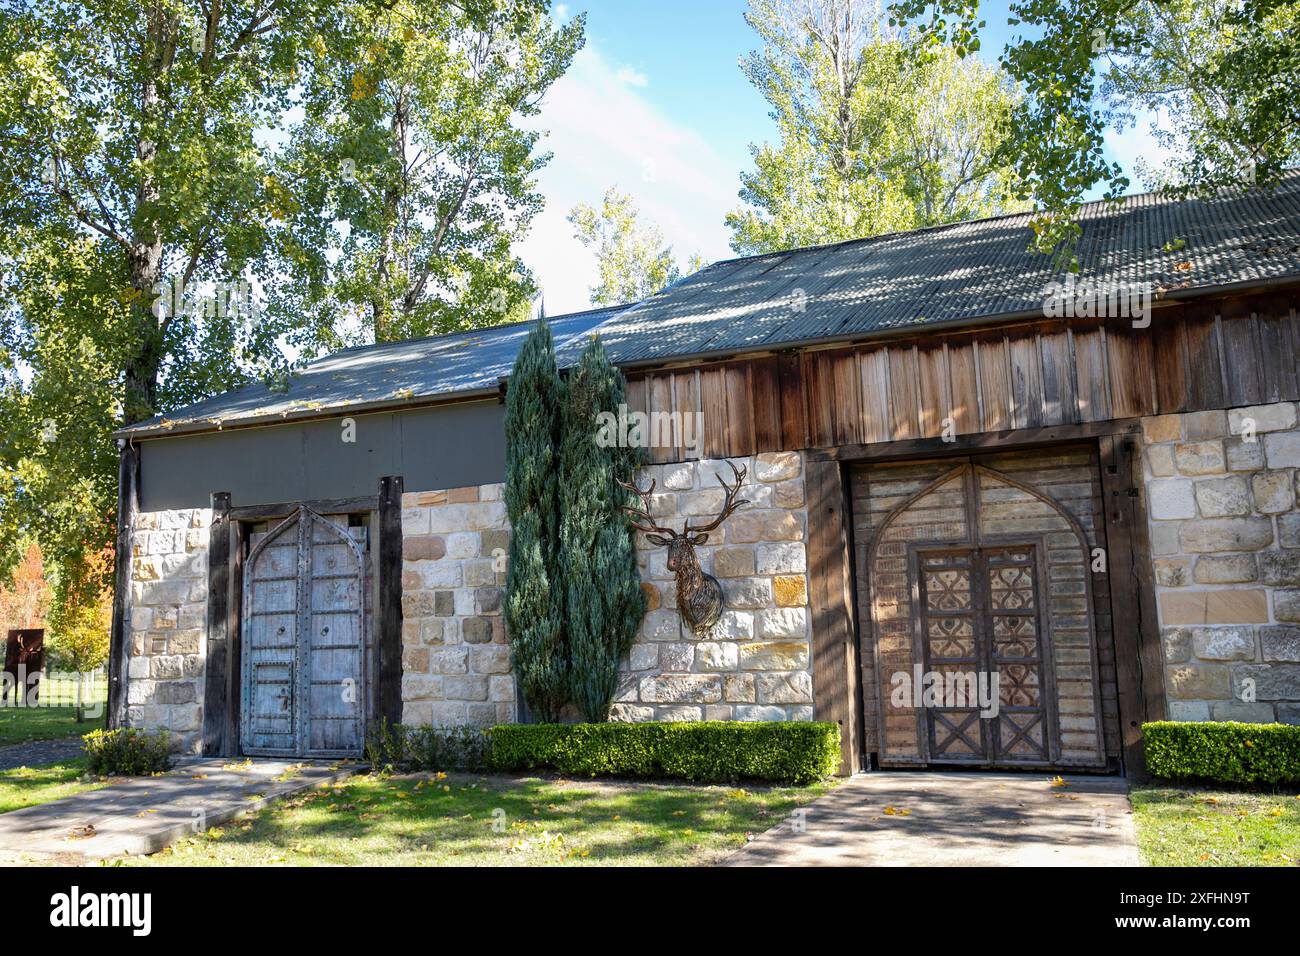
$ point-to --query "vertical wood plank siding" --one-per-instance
(1194, 356)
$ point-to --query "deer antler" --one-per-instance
(729, 503)
(638, 515)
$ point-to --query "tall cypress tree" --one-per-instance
(604, 603)
(534, 597)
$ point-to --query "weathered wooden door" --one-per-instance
(304, 641)
(980, 614)
(978, 586)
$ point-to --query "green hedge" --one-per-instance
(701, 752)
(1226, 752)
(127, 751)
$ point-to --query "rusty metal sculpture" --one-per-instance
(699, 596)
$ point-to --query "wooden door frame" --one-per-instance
(226, 545)
(1139, 672)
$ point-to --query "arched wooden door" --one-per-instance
(303, 641)
(985, 650)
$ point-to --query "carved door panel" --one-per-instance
(982, 653)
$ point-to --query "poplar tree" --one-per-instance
(604, 603)
(534, 597)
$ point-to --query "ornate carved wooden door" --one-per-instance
(303, 641)
(980, 627)
(984, 646)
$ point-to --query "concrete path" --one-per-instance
(144, 814)
(955, 819)
(37, 753)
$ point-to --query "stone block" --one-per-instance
(421, 687)
(1200, 458)
(1270, 681)
(1208, 424)
(683, 688)
(751, 712)
(790, 590)
(643, 657)
(1244, 455)
(1288, 713)
(782, 558)
(631, 713)
(1199, 682)
(1280, 568)
(774, 656)
(782, 622)
(1160, 460)
(788, 494)
(1280, 642)
(1286, 606)
(679, 714)
(1288, 530)
(716, 656)
(1272, 491)
(677, 657)
(1189, 710)
(1223, 497)
(1282, 449)
(1224, 643)
(678, 477)
(747, 592)
(1226, 569)
(1226, 534)
(423, 547)
(1171, 498)
(777, 465)
(739, 688)
(465, 687)
(793, 688)
(1161, 428)
(734, 624)
(1172, 572)
(1256, 713)
(174, 692)
(1279, 416)
(489, 659)
(1230, 606)
(733, 562)
(449, 660)
(1177, 643)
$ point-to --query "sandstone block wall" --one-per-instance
(1222, 491)
(167, 624)
(455, 656)
(756, 662)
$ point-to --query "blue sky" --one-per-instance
(656, 103)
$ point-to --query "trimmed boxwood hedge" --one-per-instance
(793, 752)
(1226, 752)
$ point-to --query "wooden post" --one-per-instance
(1139, 670)
(389, 611)
(834, 645)
(216, 699)
(119, 646)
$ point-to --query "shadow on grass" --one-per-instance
(495, 820)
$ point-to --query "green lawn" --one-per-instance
(21, 724)
(1192, 826)
(27, 786)
(429, 820)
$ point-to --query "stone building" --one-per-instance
(998, 516)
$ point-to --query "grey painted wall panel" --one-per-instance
(447, 446)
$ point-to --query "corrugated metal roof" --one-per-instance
(377, 376)
(966, 272)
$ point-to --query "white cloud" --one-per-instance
(630, 77)
(604, 132)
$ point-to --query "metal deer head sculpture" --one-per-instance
(699, 596)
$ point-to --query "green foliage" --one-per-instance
(131, 159)
(878, 132)
(1219, 76)
(633, 260)
(395, 747)
(412, 137)
(127, 751)
(534, 606)
(604, 603)
(697, 751)
(1227, 752)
